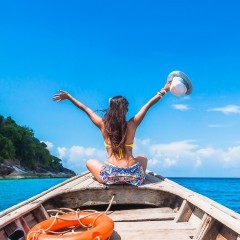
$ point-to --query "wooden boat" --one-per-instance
(159, 209)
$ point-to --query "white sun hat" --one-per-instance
(180, 83)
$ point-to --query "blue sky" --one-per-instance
(99, 49)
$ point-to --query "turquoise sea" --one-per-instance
(17, 190)
(223, 190)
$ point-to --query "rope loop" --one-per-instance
(62, 212)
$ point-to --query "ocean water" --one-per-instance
(17, 190)
(225, 191)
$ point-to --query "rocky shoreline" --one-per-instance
(17, 172)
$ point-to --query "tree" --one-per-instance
(56, 162)
(7, 149)
(18, 143)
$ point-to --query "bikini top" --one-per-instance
(120, 151)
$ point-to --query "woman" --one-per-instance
(118, 135)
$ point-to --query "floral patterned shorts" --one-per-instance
(133, 175)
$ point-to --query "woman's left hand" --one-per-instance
(61, 96)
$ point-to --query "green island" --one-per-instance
(24, 156)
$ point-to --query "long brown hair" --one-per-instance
(115, 123)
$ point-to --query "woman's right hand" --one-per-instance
(61, 96)
(167, 86)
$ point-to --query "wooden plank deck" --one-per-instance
(150, 223)
(147, 214)
(152, 230)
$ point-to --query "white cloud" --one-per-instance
(198, 163)
(206, 152)
(216, 126)
(232, 155)
(141, 143)
(229, 109)
(181, 158)
(152, 162)
(145, 142)
(187, 158)
(62, 152)
(49, 145)
(181, 107)
(173, 148)
(79, 151)
(168, 162)
(75, 157)
(172, 154)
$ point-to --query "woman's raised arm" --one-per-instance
(63, 95)
(137, 119)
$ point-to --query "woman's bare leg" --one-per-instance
(143, 161)
(94, 167)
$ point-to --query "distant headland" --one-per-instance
(24, 156)
(12, 171)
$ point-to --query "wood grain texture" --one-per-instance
(162, 209)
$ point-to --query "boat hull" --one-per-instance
(159, 209)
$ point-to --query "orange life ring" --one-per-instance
(102, 229)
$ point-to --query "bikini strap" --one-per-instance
(107, 145)
(129, 145)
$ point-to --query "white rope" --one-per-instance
(105, 211)
(65, 211)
